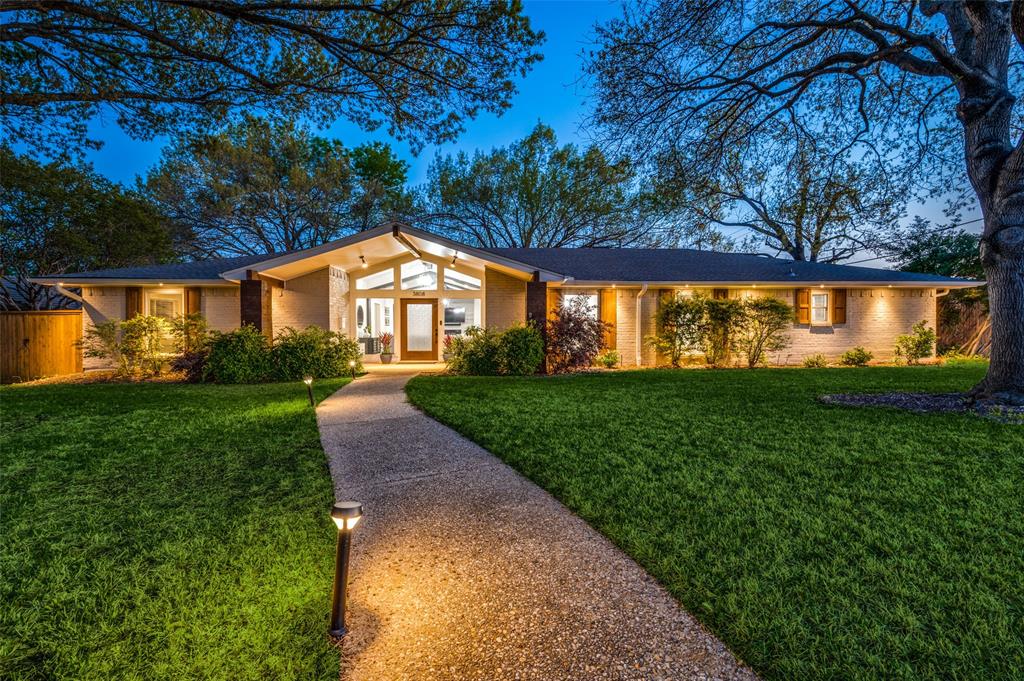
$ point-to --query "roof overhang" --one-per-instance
(381, 244)
(578, 283)
(97, 281)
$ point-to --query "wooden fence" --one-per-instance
(39, 343)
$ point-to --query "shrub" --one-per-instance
(575, 336)
(133, 345)
(475, 353)
(520, 350)
(678, 326)
(719, 325)
(103, 341)
(609, 359)
(817, 361)
(313, 352)
(857, 357)
(761, 328)
(192, 364)
(239, 356)
(917, 344)
(190, 333)
(955, 357)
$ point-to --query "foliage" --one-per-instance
(609, 359)
(448, 344)
(191, 333)
(916, 345)
(57, 218)
(720, 324)
(762, 327)
(679, 322)
(954, 357)
(313, 352)
(515, 351)
(535, 193)
(816, 361)
(133, 345)
(856, 357)
(575, 336)
(134, 510)
(239, 356)
(419, 68)
(774, 518)
(192, 364)
(386, 339)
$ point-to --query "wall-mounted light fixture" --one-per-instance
(308, 380)
(345, 515)
(454, 258)
(363, 260)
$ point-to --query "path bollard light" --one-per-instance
(308, 380)
(345, 515)
(352, 366)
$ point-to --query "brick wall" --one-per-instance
(100, 304)
(305, 301)
(338, 303)
(505, 299)
(221, 307)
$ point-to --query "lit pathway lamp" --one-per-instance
(308, 380)
(345, 515)
(352, 368)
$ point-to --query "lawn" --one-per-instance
(154, 531)
(817, 541)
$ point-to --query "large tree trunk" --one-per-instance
(1002, 255)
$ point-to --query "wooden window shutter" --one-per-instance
(803, 305)
(192, 298)
(839, 306)
(132, 301)
(720, 294)
(607, 312)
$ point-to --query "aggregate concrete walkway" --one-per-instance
(463, 569)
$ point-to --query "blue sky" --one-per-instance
(551, 93)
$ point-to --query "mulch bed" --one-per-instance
(930, 403)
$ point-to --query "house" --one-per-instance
(420, 287)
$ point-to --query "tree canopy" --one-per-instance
(268, 187)
(66, 218)
(419, 67)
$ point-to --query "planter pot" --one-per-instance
(446, 356)
(385, 357)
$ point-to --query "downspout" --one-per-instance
(639, 311)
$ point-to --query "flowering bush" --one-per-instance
(575, 336)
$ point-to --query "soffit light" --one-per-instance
(364, 265)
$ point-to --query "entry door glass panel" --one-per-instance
(420, 330)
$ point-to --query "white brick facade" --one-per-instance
(505, 300)
(100, 303)
(221, 307)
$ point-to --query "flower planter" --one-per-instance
(446, 356)
(385, 357)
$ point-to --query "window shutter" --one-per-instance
(803, 305)
(132, 301)
(720, 294)
(192, 294)
(839, 306)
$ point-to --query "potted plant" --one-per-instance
(385, 339)
(446, 350)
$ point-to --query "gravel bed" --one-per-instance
(930, 403)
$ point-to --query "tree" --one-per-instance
(263, 187)
(763, 327)
(909, 82)
(798, 196)
(420, 67)
(535, 194)
(923, 247)
(678, 323)
(64, 218)
(575, 335)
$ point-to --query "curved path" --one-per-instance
(463, 569)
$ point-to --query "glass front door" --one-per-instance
(419, 328)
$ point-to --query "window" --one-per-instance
(419, 275)
(591, 300)
(819, 308)
(454, 280)
(378, 281)
(162, 307)
(459, 315)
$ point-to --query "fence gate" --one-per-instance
(39, 343)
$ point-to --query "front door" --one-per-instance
(419, 327)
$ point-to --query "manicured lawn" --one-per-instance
(164, 531)
(816, 541)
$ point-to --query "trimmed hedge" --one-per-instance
(516, 351)
(246, 356)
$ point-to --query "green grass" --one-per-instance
(154, 531)
(816, 541)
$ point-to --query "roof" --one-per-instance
(199, 270)
(687, 265)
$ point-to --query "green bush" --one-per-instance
(609, 359)
(133, 345)
(516, 351)
(191, 334)
(313, 352)
(762, 328)
(240, 356)
(679, 323)
(817, 361)
(520, 351)
(916, 345)
(955, 357)
(857, 357)
(721, 322)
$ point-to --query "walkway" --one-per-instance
(463, 569)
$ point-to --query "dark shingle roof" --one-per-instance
(687, 265)
(200, 269)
